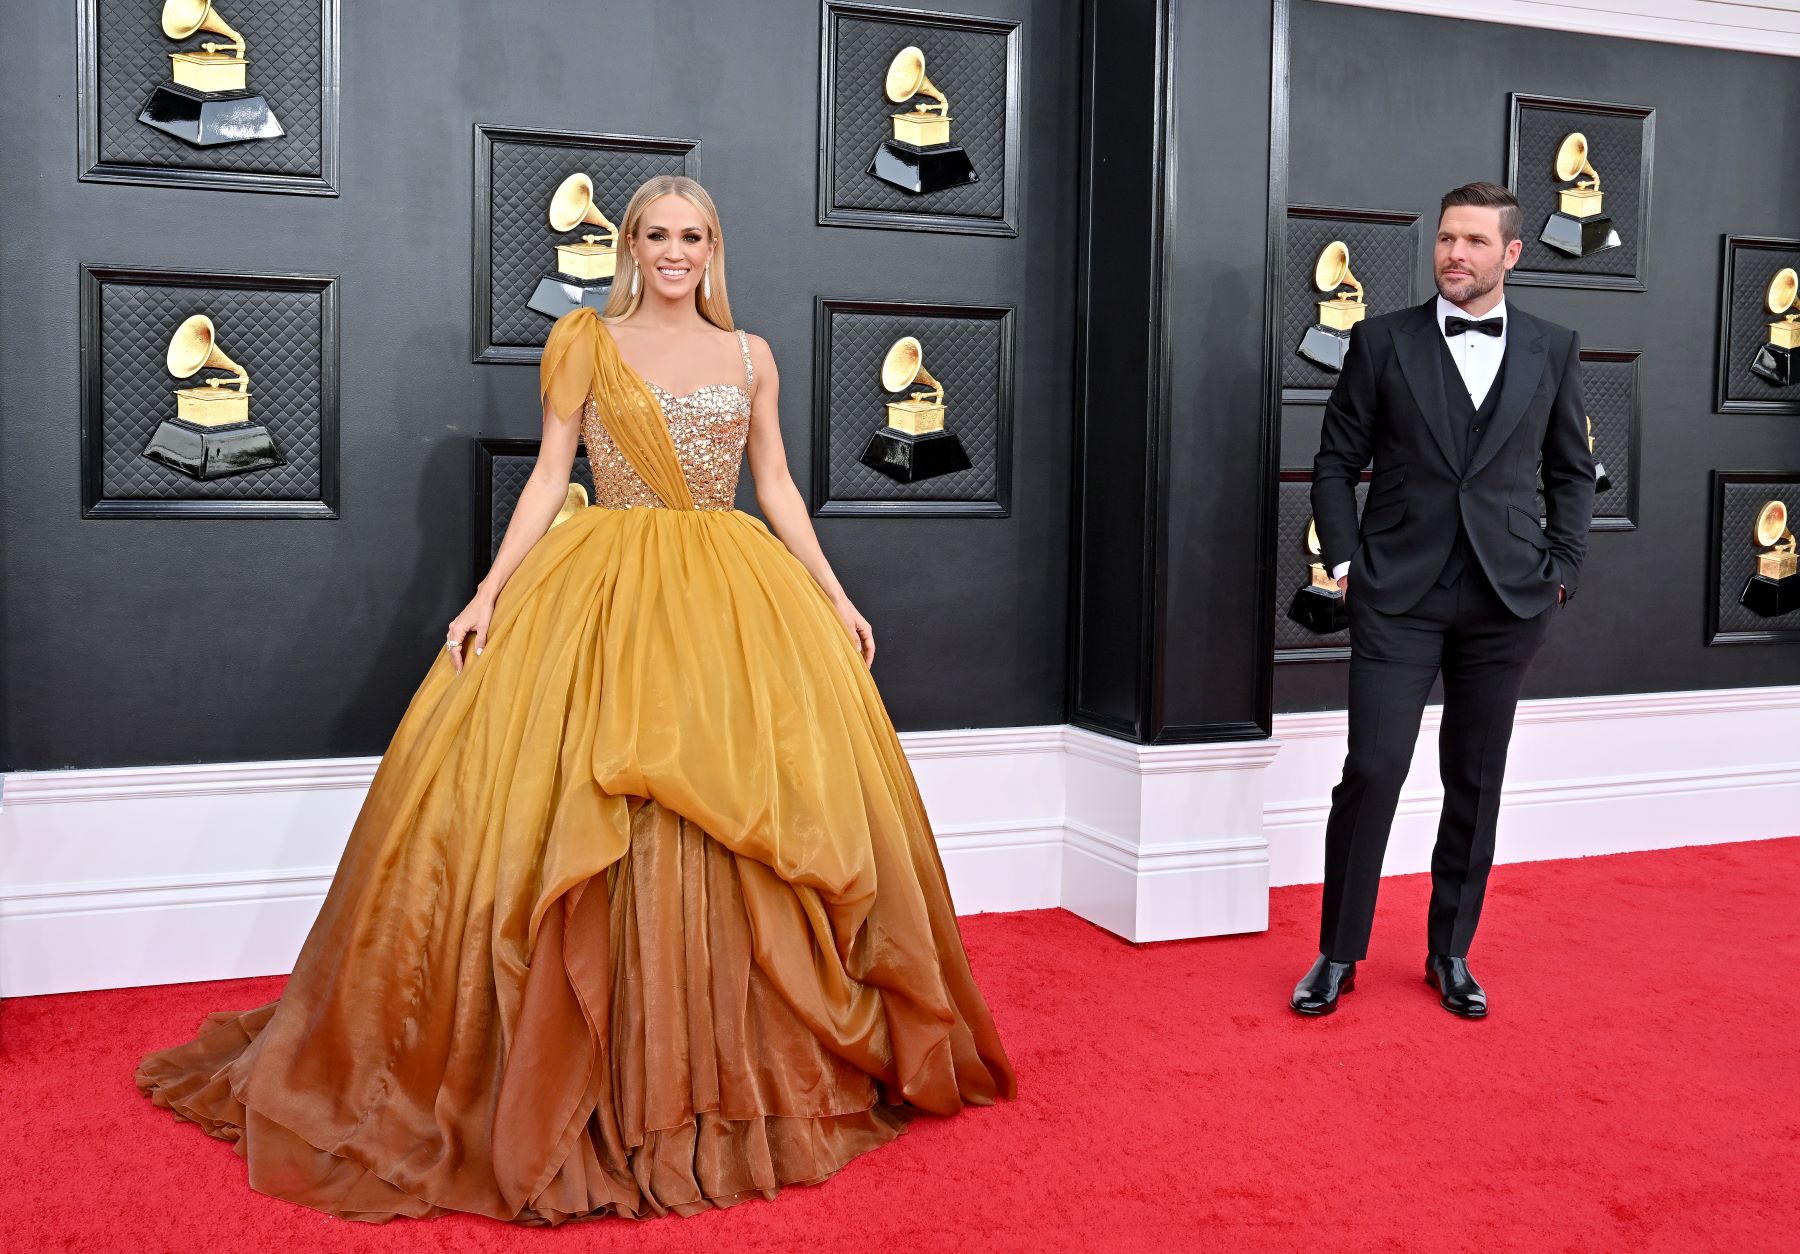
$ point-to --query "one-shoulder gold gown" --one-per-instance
(642, 912)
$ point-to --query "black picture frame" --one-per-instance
(1720, 583)
(487, 452)
(1528, 276)
(824, 504)
(1627, 520)
(483, 350)
(830, 211)
(94, 501)
(1334, 648)
(1730, 332)
(91, 167)
(1292, 257)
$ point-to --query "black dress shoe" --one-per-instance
(1457, 990)
(1317, 992)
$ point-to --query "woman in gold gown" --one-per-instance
(642, 912)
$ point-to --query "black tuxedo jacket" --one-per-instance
(1390, 406)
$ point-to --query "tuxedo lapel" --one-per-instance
(1522, 368)
(1421, 359)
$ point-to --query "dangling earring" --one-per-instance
(635, 272)
(706, 283)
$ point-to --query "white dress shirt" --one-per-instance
(1477, 359)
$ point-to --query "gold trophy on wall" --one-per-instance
(919, 156)
(1778, 361)
(211, 435)
(1328, 339)
(913, 445)
(1579, 227)
(1775, 588)
(574, 501)
(584, 269)
(207, 100)
(1319, 605)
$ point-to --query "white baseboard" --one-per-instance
(149, 875)
(1771, 26)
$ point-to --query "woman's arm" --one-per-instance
(780, 501)
(540, 499)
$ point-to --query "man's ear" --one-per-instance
(1512, 253)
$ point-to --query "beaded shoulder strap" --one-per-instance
(749, 371)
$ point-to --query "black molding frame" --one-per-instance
(1384, 217)
(824, 505)
(95, 505)
(1715, 539)
(1636, 282)
(1632, 459)
(1722, 403)
(91, 169)
(953, 223)
(483, 350)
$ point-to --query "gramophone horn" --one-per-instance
(904, 365)
(1312, 538)
(1771, 523)
(1572, 158)
(573, 204)
(1784, 289)
(181, 18)
(194, 348)
(574, 501)
(906, 78)
(1332, 270)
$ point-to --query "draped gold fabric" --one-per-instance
(642, 912)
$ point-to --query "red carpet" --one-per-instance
(1636, 1088)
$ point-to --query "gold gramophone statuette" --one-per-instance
(1777, 361)
(1579, 227)
(1318, 605)
(913, 445)
(919, 157)
(904, 365)
(1774, 588)
(585, 268)
(1341, 310)
(1775, 557)
(207, 100)
(1328, 340)
(924, 124)
(216, 402)
(211, 435)
(596, 256)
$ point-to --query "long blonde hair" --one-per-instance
(622, 302)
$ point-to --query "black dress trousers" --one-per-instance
(1483, 650)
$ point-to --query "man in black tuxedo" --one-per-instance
(1449, 571)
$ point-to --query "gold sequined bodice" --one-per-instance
(709, 427)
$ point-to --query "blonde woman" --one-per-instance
(642, 912)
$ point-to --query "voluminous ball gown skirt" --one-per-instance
(642, 914)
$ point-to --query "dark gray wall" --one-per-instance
(1390, 110)
(155, 641)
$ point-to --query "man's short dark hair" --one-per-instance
(1487, 196)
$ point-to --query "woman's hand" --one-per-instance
(473, 619)
(858, 627)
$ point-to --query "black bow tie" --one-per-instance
(1454, 325)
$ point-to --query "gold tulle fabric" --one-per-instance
(642, 912)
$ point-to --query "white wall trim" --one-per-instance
(163, 874)
(1768, 26)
